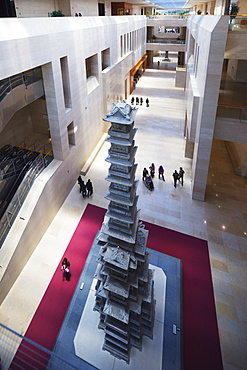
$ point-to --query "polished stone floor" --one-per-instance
(221, 219)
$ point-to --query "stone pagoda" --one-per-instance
(125, 285)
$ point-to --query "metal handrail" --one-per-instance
(169, 16)
(178, 42)
(233, 112)
(49, 153)
(238, 23)
(25, 78)
(40, 357)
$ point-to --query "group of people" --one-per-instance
(85, 189)
(178, 176)
(161, 172)
(137, 101)
(147, 176)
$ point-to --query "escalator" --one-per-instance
(18, 169)
(14, 163)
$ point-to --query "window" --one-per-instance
(92, 66)
(65, 81)
(71, 134)
(105, 58)
(196, 57)
(121, 45)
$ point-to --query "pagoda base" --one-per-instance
(89, 339)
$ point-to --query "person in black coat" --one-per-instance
(147, 102)
(89, 187)
(181, 176)
(79, 180)
(152, 170)
(83, 189)
(144, 173)
(175, 178)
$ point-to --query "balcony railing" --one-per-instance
(176, 42)
(238, 23)
(169, 16)
(29, 355)
(238, 113)
(25, 78)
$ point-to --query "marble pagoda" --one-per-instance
(124, 294)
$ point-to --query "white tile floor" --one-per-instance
(221, 219)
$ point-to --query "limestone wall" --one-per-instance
(61, 47)
(206, 38)
(27, 8)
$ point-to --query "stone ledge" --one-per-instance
(94, 153)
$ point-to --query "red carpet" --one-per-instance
(49, 316)
(200, 332)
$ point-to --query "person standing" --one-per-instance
(181, 176)
(158, 64)
(175, 178)
(152, 170)
(161, 172)
(144, 173)
(83, 189)
(132, 100)
(89, 187)
(79, 180)
(66, 267)
(141, 101)
(147, 102)
(137, 100)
